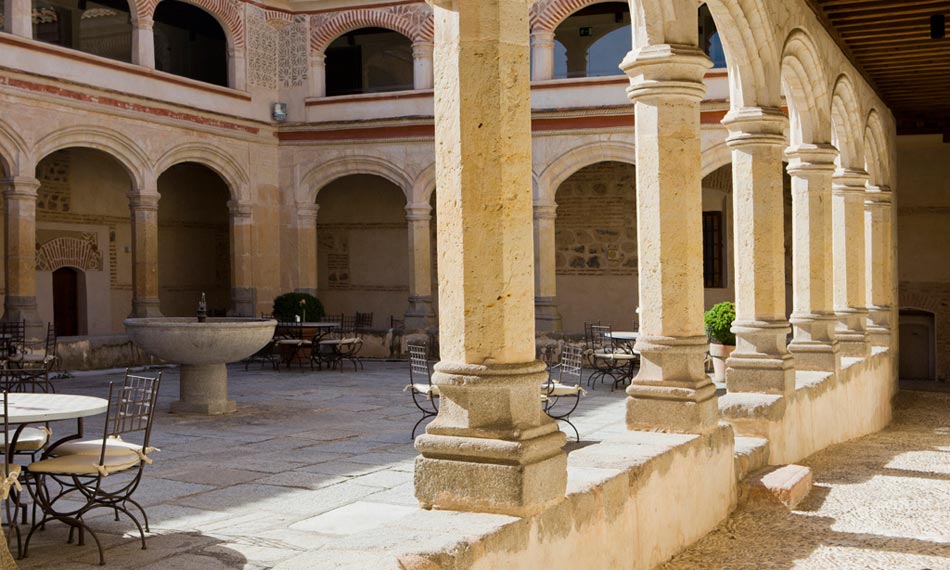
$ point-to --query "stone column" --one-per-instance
(419, 315)
(761, 361)
(422, 65)
(491, 448)
(671, 392)
(237, 69)
(19, 195)
(143, 42)
(877, 229)
(847, 207)
(542, 55)
(18, 17)
(143, 204)
(318, 75)
(307, 253)
(243, 292)
(546, 315)
(813, 318)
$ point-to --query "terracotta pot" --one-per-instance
(719, 353)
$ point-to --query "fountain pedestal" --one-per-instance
(202, 350)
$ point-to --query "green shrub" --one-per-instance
(289, 305)
(719, 322)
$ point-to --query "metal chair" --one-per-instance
(363, 321)
(81, 469)
(608, 359)
(342, 343)
(289, 341)
(12, 338)
(425, 394)
(554, 392)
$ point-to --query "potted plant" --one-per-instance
(722, 341)
(291, 307)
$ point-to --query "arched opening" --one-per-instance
(194, 245)
(918, 355)
(69, 307)
(718, 263)
(190, 42)
(100, 27)
(369, 60)
(709, 38)
(363, 257)
(593, 41)
(83, 242)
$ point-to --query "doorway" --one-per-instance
(917, 345)
(66, 303)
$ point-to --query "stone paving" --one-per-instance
(310, 459)
(879, 502)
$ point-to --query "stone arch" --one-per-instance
(747, 36)
(113, 143)
(424, 186)
(548, 15)
(324, 32)
(806, 90)
(228, 14)
(575, 159)
(13, 150)
(877, 157)
(715, 157)
(846, 124)
(215, 159)
(919, 301)
(319, 176)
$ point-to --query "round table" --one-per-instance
(627, 336)
(25, 408)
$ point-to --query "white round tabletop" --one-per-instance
(24, 408)
(320, 325)
(623, 335)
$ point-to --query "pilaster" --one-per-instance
(243, 292)
(877, 229)
(307, 253)
(318, 75)
(422, 65)
(143, 42)
(542, 55)
(761, 361)
(671, 392)
(546, 315)
(419, 315)
(18, 17)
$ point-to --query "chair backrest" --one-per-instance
(419, 363)
(589, 335)
(50, 341)
(364, 321)
(347, 325)
(131, 408)
(12, 337)
(600, 337)
(396, 324)
(288, 330)
(572, 361)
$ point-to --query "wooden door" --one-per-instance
(66, 301)
(916, 347)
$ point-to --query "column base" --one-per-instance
(671, 392)
(491, 449)
(146, 308)
(546, 316)
(879, 326)
(814, 346)
(852, 334)
(761, 362)
(243, 302)
(419, 315)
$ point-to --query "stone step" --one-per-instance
(752, 454)
(776, 485)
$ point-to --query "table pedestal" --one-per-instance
(203, 390)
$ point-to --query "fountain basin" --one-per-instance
(203, 350)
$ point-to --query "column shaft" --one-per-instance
(18, 17)
(761, 361)
(19, 195)
(671, 391)
(143, 42)
(422, 65)
(419, 315)
(877, 229)
(143, 204)
(546, 315)
(542, 55)
(813, 319)
(307, 251)
(491, 448)
(243, 292)
(849, 252)
(318, 75)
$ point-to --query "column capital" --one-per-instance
(418, 212)
(143, 22)
(422, 50)
(755, 126)
(240, 209)
(19, 186)
(666, 71)
(542, 38)
(144, 201)
(808, 158)
(307, 213)
(545, 210)
(850, 181)
(875, 197)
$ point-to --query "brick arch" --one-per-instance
(548, 15)
(324, 32)
(919, 301)
(227, 12)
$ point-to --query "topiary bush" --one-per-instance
(290, 305)
(718, 321)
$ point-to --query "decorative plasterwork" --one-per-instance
(82, 253)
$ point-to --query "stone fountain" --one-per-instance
(203, 350)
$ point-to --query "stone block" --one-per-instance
(780, 484)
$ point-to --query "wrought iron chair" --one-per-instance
(10, 487)
(37, 354)
(342, 343)
(12, 338)
(81, 469)
(589, 342)
(554, 392)
(425, 394)
(289, 341)
(364, 321)
(608, 359)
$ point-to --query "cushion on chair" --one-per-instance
(558, 389)
(86, 464)
(27, 358)
(31, 438)
(115, 446)
(615, 355)
(331, 341)
(425, 389)
(10, 481)
(290, 342)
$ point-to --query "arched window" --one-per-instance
(593, 41)
(369, 60)
(190, 42)
(709, 38)
(102, 28)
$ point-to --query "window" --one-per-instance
(369, 60)
(592, 42)
(101, 28)
(712, 250)
(709, 38)
(189, 42)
